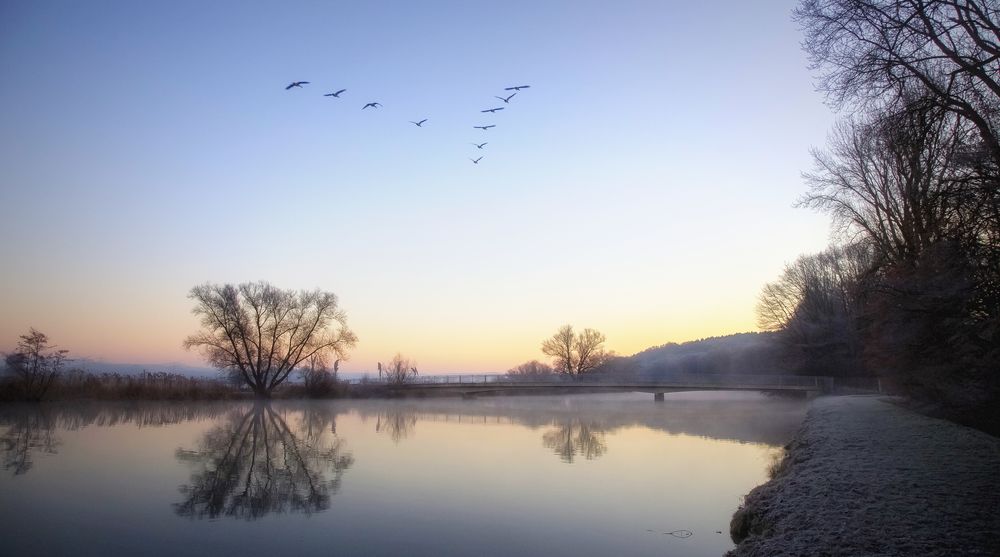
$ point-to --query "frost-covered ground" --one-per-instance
(867, 477)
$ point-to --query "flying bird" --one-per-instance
(298, 84)
(419, 124)
(491, 110)
(335, 95)
(476, 161)
(373, 105)
(484, 128)
(480, 145)
(516, 88)
(505, 100)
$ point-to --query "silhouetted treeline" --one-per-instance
(812, 311)
(76, 384)
(912, 179)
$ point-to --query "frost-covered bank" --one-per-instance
(866, 477)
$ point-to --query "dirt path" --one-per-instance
(866, 477)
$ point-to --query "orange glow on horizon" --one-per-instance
(437, 350)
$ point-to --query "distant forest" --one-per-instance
(750, 353)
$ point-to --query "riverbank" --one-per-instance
(864, 476)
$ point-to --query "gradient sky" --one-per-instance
(642, 186)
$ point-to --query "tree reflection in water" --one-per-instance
(33, 428)
(574, 438)
(253, 464)
(397, 424)
(569, 438)
(27, 433)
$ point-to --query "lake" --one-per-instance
(601, 474)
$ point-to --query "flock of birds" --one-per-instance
(420, 123)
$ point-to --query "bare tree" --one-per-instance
(576, 354)
(904, 62)
(874, 52)
(891, 179)
(398, 371)
(560, 348)
(34, 365)
(262, 333)
(590, 352)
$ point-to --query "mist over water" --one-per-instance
(561, 475)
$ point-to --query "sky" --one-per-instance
(642, 186)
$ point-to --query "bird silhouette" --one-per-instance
(480, 145)
(373, 105)
(484, 128)
(491, 110)
(476, 161)
(516, 88)
(419, 124)
(335, 95)
(298, 84)
(505, 100)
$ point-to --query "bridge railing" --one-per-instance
(689, 379)
(461, 379)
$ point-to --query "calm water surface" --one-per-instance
(578, 475)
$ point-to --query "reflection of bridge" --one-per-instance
(471, 385)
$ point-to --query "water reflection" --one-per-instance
(27, 433)
(576, 438)
(494, 473)
(398, 425)
(573, 428)
(576, 427)
(253, 464)
(31, 427)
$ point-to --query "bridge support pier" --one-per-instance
(658, 397)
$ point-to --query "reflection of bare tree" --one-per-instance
(575, 437)
(32, 428)
(316, 420)
(253, 464)
(395, 423)
(28, 433)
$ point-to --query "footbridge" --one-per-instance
(470, 385)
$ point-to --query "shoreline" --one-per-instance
(864, 476)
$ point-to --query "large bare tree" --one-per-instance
(559, 347)
(261, 333)
(892, 180)
(874, 52)
(575, 354)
